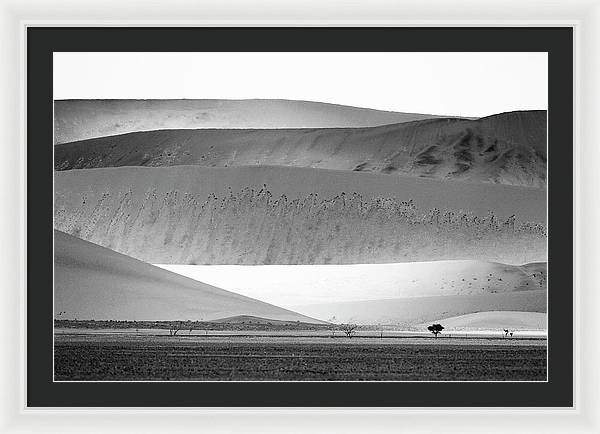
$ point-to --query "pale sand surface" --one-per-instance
(411, 311)
(292, 285)
(496, 320)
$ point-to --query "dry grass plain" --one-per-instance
(314, 357)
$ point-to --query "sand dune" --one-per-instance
(538, 272)
(508, 148)
(84, 119)
(527, 204)
(496, 320)
(187, 215)
(413, 311)
(291, 285)
(92, 282)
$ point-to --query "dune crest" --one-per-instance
(84, 119)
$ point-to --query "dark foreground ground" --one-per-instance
(246, 358)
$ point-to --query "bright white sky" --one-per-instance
(459, 84)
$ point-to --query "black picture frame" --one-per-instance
(43, 392)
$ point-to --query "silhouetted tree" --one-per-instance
(435, 329)
(349, 329)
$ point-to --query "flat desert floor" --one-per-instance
(311, 356)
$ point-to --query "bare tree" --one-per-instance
(332, 325)
(174, 327)
(349, 329)
(380, 329)
(435, 329)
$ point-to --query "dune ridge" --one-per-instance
(508, 148)
(84, 119)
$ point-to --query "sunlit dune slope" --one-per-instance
(291, 285)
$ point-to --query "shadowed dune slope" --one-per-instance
(186, 215)
(412, 311)
(92, 282)
(509, 148)
(84, 119)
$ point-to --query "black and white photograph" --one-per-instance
(300, 217)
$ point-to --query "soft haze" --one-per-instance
(459, 84)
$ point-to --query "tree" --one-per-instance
(380, 329)
(332, 325)
(174, 327)
(192, 325)
(435, 329)
(349, 329)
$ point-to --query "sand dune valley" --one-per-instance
(296, 240)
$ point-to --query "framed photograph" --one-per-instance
(329, 217)
(367, 220)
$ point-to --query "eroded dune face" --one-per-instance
(508, 148)
(85, 119)
(175, 221)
